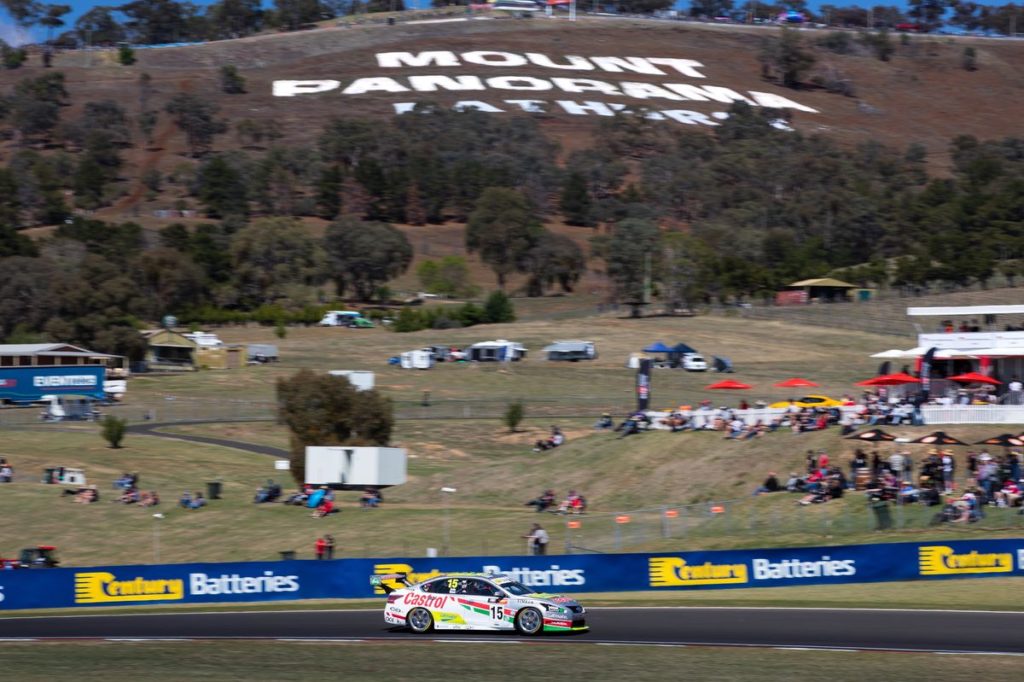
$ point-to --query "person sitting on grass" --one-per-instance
(553, 441)
(149, 499)
(770, 485)
(198, 501)
(370, 498)
(574, 503)
(542, 501)
(87, 495)
(185, 501)
(605, 422)
(129, 496)
(325, 507)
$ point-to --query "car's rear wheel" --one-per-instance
(529, 621)
(420, 621)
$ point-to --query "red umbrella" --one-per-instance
(897, 379)
(730, 384)
(796, 382)
(975, 378)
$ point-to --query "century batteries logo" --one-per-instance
(942, 560)
(102, 587)
(676, 572)
(64, 381)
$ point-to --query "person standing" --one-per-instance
(538, 538)
(321, 547)
(329, 546)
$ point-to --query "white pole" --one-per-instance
(572, 10)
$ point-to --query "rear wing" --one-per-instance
(379, 581)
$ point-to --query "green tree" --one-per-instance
(25, 12)
(88, 183)
(321, 409)
(328, 191)
(293, 14)
(235, 18)
(269, 256)
(125, 55)
(513, 416)
(555, 259)
(880, 43)
(575, 202)
(786, 57)
(52, 18)
(503, 229)
(99, 27)
(221, 189)
(113, 429)
(231, 82)
(197, 118)
(448, 277)
(498, 309)
(631, 257)
(12, 57)
(35, 105)
(362, 256)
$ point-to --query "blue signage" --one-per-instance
(350, 578)
(30, 384)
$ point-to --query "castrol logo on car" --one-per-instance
(431, 601)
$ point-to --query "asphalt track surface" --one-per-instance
(863, 629)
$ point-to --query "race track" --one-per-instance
(869, 629)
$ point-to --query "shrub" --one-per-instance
(125, 55)
(514, 414)
(113, 429)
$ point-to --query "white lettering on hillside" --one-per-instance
(651, 66)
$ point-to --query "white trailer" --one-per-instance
(417, 359)
(353, 468)
(363, 380)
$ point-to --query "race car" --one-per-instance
(476, 601)
(811, 401)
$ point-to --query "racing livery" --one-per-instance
(476, 601)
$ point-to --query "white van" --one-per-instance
(694, 362)
(339, 318)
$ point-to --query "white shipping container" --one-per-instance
(355, 467)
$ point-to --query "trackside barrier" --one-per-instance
(349, 578)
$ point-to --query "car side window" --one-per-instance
(435, 586)
(482, 588)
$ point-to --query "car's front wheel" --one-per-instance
(529, 621)
(420, 621)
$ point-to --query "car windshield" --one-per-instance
(514, 588)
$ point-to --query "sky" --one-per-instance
(14, 35)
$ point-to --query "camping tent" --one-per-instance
(497, 351)
(571, 350)
(657, 347)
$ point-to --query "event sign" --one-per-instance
(350, 578)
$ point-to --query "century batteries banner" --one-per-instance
(350, 578)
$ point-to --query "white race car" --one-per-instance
(477, 601)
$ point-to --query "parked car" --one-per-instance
(811, 401)
(694, 362)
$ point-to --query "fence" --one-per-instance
(973, 414)
(755, 518)
(350, 578)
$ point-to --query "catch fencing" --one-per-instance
(753, 518)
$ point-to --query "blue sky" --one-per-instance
(9, 32)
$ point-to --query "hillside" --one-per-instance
(921, 96)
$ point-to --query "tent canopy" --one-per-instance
(729, 384)
(975, 378)
(657, 347)
(796, 382)
(823, 282)
(683, 348)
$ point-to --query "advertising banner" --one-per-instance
(350, 578)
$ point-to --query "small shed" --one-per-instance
(819, 290)
(571, 351)
(417, 359)
(497, 351)
(168, 350)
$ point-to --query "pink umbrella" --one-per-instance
(796, 382)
